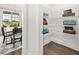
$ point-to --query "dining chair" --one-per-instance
(17, 31)
(6, 35)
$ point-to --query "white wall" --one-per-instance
(24, 29)
(33, 29)
(56, 26)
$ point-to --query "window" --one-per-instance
(6, 18)
(15, 16)
(6, 15)
(11, 19)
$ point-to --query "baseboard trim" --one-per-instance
(46, 41)
(65, 44)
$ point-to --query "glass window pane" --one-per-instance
(15, 19)
(6, 18)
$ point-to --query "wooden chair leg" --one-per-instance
(21, 40)
(4, 39)
(13, 41)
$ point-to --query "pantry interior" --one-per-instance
(63, 26)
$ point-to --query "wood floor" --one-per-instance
(53, 48)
